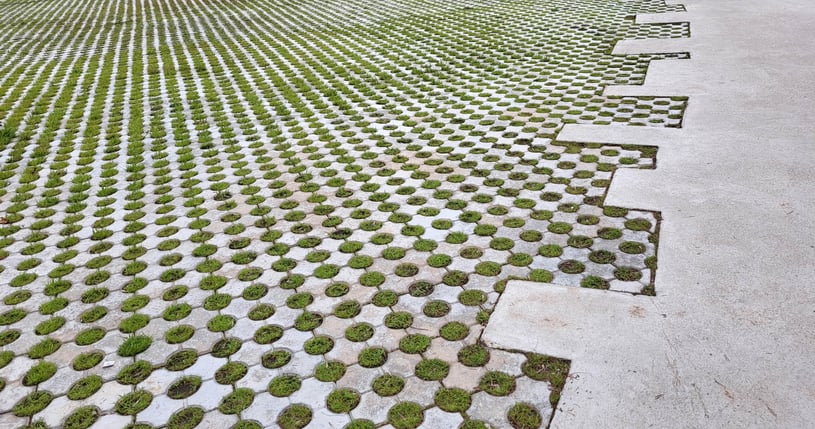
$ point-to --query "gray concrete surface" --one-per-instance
(728, 340)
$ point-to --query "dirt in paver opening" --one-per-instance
(258, 213)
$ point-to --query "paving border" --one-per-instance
(727, 340)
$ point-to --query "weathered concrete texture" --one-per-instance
(728, 340)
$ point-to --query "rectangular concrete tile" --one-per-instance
(564, 321)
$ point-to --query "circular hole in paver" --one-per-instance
(295, 416)
(284, 385)
(524, 416)
(388, 385)
(372, 357)
(497, 383)
(186, 418)
(452, 399)
(275, 359)
(474, 355)
(432, 369)
(406, 415)
(342, 400)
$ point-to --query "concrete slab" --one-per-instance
(651, 46)
(595, 317)
(663, 18)
(728, 340)
(619, 135)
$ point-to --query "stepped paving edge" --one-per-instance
(726, 341)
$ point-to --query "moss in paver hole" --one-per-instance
(406, 415)
(38, 373)
(432, 369)
(385, 298)
(627, 274)
(594, 282)
(261, 312)
(137, 302)
(135, 372)
(632, 247)
(372, 279)
(179, 334)
(295, 416)
(237, 401)
(217, 301)
(84, 387)
(359, 332)
(335, 290)
(488, 268)
(247, 424)
(86, 360)
(638, 224)
(133, 323)
(268, 334)
(342, 400)
(177, 312)
(319, 345)
(181, 360)
(497, 383)
(439, 260)
(455, 278)
(184, 387)
(347, 309)
(299, 300)
(308, 321)
(398, 320)
(255, 291)
(474, 355)
(48, 326)
(186, 418)
(388, 385)
(329, 371)
(49, 346)
(414, 343)
(550, 251)
(540, 275)
(32, 403)
(571, 266)
(524, 416)
(609, 233)
(453, 399)
(82, 418)
(602, 257)
(406, 270)
(454, 331)
(275, 359)
(226, 347)
(134, 402)
(284, 385)
(231, 372)
(436, 308)
(421, 288)
(361, 424)
(473, 424)
(502, 243)
(373, 357)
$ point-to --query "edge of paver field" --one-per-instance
(728, 340)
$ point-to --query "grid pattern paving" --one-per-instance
(299, 213)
